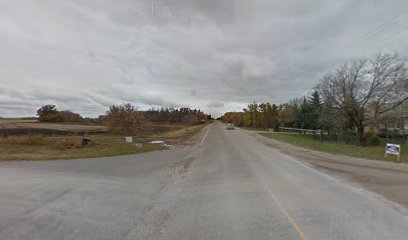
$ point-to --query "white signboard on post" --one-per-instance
(129, 139)
(393, 149)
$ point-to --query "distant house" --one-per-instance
(396, 123)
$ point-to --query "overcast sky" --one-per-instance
(216, 55)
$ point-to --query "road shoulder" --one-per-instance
(387, 179)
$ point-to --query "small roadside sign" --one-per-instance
(393, 149)
(129, 139)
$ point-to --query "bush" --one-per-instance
(66, 143)
(49, 113)
(348, 138)
(123, 119)
(68, 116)
(371, 139)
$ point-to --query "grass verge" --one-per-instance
(67, 147)
(368, 152)
(37, 147)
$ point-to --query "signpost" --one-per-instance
(129, 139)
(393, 149)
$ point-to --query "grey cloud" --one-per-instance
(87, 55)
(215, 105)
(193, 93)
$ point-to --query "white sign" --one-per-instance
(393, 149)
(129, 139)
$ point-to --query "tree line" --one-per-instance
(299, 113)
(172, 115)
(354, 98)
(50, 113)
(126, 118)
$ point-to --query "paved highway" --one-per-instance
(226, 186)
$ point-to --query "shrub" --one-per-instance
(371, 139)
(348, 138)
(123, 119)
(66, 143)
(49, 113)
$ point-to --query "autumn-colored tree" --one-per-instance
(123, 119)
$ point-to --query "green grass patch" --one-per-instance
(368, 152)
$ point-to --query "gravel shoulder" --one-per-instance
(387, 179)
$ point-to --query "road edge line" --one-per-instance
(202, 141)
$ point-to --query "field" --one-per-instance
(368, 152)
(23, 127)
(64, 141)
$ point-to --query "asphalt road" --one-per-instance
(226, 186)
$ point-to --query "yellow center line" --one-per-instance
(288, 216)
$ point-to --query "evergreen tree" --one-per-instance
(315, 110)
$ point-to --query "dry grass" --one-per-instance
(47, 147)
(37, 147)
(182, 132)
(34, 124)
(21, 140)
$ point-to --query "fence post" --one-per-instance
(407, 142)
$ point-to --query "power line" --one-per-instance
(395, 34)
(370, 35)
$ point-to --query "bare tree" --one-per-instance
(362, 91)
(388, 88)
